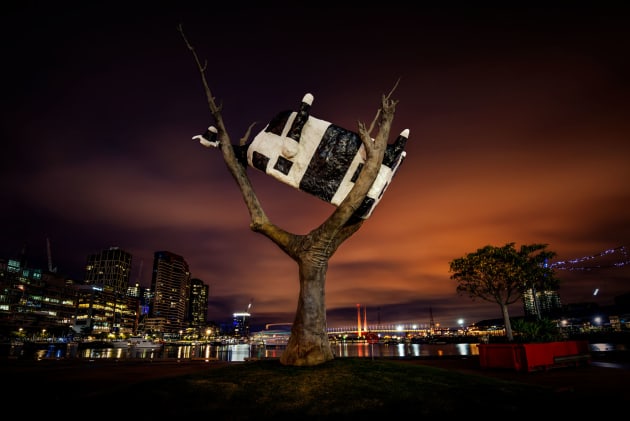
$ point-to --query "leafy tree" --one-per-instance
(308, 343)
(503, 274)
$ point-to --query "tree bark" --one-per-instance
(506, 321)
(308, 344)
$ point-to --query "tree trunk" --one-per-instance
(308, 344)
(506, 322)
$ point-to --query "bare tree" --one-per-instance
(308, 344)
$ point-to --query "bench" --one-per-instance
(574, 360)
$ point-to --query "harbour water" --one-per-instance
(242, 352)
(235, 352)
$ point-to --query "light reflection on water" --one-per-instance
(58, 351)
(604, 347)
(242, 352)
(344, 349)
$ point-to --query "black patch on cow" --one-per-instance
(283, 165)
(356, 174)
(364, 209)
(295, 132)
(393, 152)
(260, 161)
(330, 162)
(276, 125)
(240, 151)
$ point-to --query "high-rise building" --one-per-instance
(541, 304)
(240, 325)
(144, 295)
(102, 312)
(103, 306)
(109, 270)
(544, 304)
(33, 300)
(198, 308)
(170, 284)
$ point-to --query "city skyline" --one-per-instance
(518, 133)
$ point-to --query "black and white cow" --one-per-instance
(316, 156)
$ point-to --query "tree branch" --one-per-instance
(259, 220)
(341, 222)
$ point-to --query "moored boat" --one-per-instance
(120, 343)
(137, 342)
(272, 338)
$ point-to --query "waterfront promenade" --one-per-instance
(604, 378)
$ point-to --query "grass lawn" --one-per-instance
(344, 388)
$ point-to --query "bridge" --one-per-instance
(400, 329)
(612, 258)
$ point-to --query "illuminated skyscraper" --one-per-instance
(170, 284)
(240, 325)
(109, 270)
(198, 308)
(102, 304)
(541, 304)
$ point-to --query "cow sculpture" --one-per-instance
(315, 156)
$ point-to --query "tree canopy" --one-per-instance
(504, 274)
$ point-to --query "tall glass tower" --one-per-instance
(109, 270)
(102, 303)
(170, 283)
(198, 309)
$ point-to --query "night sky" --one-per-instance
(518, 124)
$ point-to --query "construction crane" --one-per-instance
(140, 271)
(49, 254)
(251, 301)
